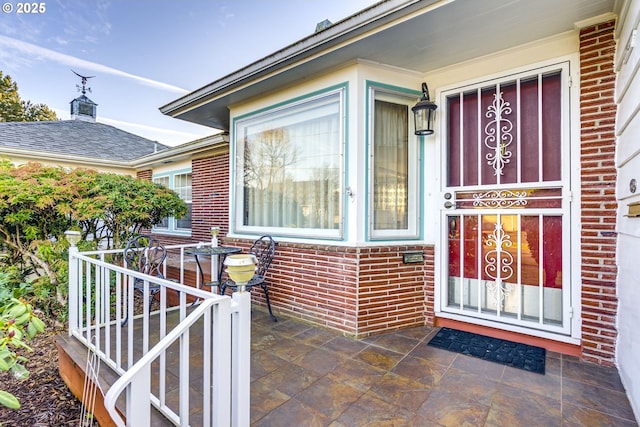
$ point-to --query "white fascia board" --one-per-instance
(40, 156)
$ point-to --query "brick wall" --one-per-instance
(357, 291)
(391, 294)
(429, 285)
(598, 180)
(318, 283)
(210, 196)
(145, 174)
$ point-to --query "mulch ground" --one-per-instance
(44, 397)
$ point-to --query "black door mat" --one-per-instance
(508, 353)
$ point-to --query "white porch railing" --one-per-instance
(160, 354)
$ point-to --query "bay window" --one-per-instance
(289, 168)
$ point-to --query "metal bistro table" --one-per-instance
(210, 251)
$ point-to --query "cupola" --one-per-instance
(82, 108)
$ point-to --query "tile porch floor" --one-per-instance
(307, 376)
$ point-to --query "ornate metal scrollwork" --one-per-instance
(500, 199)
(498, 134)
(499, 263)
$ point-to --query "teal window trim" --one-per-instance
(236, 226)
(172, 222)
(401, 92)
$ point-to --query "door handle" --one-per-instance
(449, 203)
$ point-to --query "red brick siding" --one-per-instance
(430, 285)
(145, 174)
(357, 291)
(210, 196)
(598, 178)
(391, 294)
(317, 283)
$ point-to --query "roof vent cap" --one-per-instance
(323, 25)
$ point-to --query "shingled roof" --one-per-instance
(76, 138)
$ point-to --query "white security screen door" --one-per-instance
(505, 215)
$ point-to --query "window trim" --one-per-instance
(237, 190)
(172, 222)
(415, 208)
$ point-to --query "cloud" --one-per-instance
(59, 40)
(9, 47)
(80, 18)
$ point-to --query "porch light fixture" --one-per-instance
(241, 268)
(73, 237)
(424, 113)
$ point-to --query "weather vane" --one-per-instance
(83, 80)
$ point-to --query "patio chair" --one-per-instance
(146, 255)
(264, 249)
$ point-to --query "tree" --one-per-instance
(10, 107)
(117, 207)
(38, 203)
(266, 158)
(14, 109)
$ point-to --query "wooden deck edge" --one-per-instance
(71, 365)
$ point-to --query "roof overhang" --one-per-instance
(190, 150)
(418, 35)
(57, 158)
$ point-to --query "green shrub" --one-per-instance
(17, 323)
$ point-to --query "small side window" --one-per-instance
(393, 168)
(180, 182)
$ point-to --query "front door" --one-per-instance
(506, 200)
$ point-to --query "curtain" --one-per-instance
(292, 175)
(390, 166)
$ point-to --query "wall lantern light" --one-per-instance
(424, 113)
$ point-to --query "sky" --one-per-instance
(146, 53)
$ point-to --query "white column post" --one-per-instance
(73, 288)
(73, 237)
(139, 399)
(222, 338)
(241, 362)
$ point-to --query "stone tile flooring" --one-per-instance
(307, 376)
